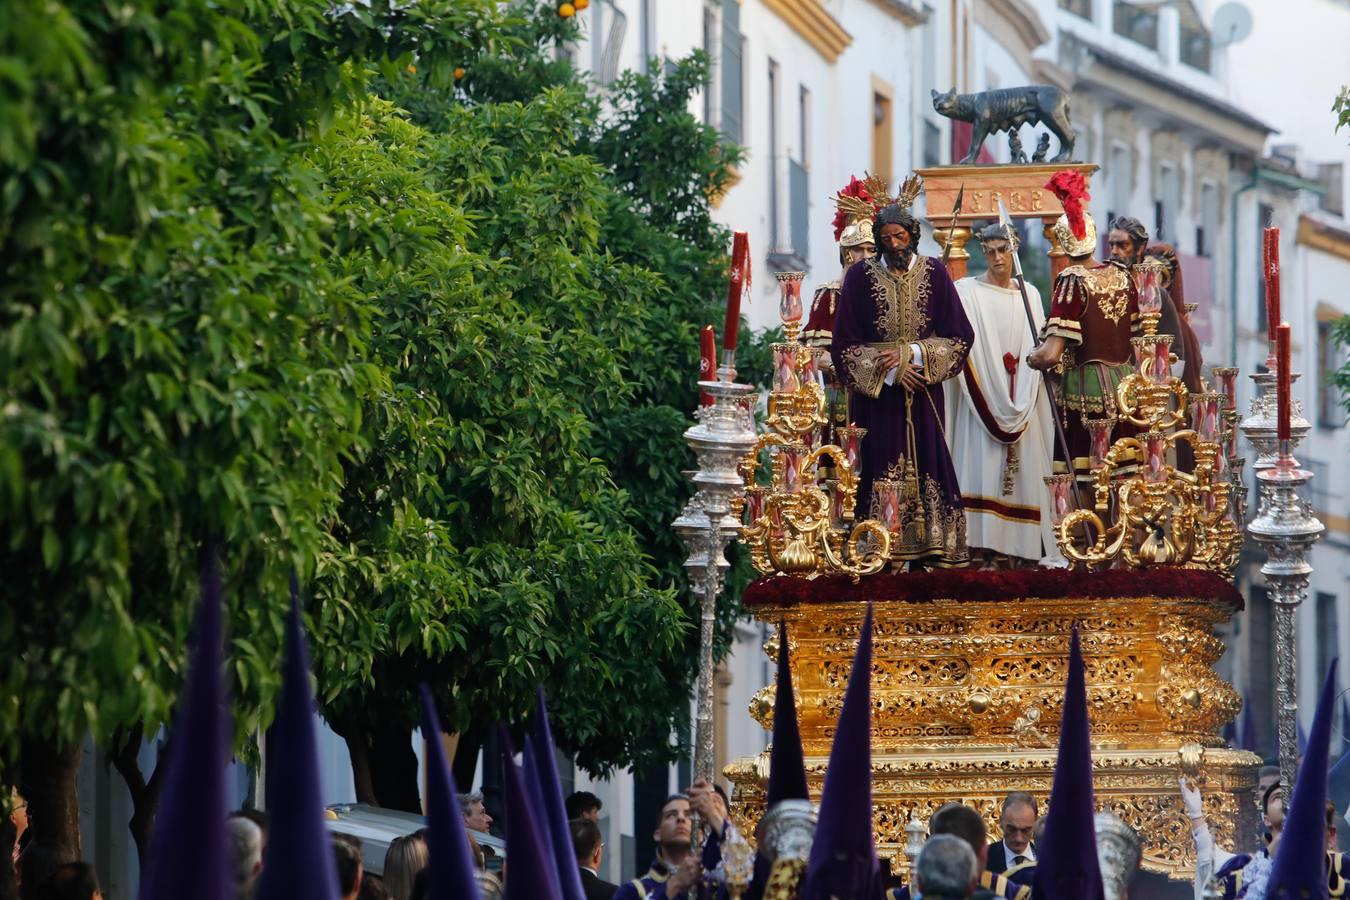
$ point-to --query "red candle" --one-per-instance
(707, 363)
(740, 278)
(1282, 379)
(1272, 269)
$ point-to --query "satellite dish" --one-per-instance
(1232, 23)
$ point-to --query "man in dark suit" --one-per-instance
(588, 847)
(1017, 820)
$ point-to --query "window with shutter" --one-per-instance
(730, 71)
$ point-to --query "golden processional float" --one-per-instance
(969, 667)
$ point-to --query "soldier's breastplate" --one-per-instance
(1107, 321)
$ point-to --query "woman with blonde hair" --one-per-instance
(406, 857)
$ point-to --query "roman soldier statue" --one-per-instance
(1094, 312)
(853, 234)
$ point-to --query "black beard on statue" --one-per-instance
(899, 259)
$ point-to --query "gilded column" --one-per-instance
(956, 260)
(1059, 260)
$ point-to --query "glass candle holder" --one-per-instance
(1100, 432)
(1155, 456)
(1059, 487)
(790, 304)
(745, 411)
(1146, 284)
(792, 456)
(850, 439)
(1205, 414)
(785, 378)
(754, 504)
(1160, 368)
(1226, 376)
(1143, 352)
(887, 492)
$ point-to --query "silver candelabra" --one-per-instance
(1286, 528)
(725, 432)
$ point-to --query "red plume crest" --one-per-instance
(854, 188)
(1071, 189)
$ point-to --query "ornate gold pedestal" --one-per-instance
(1021, 188)
(967, 698)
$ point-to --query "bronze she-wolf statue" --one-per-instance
(1006, 109)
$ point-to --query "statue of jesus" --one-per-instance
(899, 333)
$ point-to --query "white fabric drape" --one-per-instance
(1017, 523)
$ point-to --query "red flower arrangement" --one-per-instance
(994, 586)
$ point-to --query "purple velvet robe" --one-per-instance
(880, 310)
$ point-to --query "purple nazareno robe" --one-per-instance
(880, 309)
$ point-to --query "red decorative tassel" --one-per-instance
(707, 363)
(740, 282)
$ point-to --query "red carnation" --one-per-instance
(1071, 189)
(1009, 363)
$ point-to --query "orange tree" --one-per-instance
(247, 298)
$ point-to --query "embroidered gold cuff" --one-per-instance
(865, 372)
(942, 358)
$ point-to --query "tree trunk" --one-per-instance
(384, 766)
(144, 794)
(393, 769)
(49, 771)
(465, 763)
(358, 747)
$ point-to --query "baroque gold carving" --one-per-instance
(967, 699)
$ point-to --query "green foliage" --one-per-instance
(619, 263)
(1340, 333)
(666, 166)
(177, 360)
(275, 274)
(1341, 329)
(482, 546)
